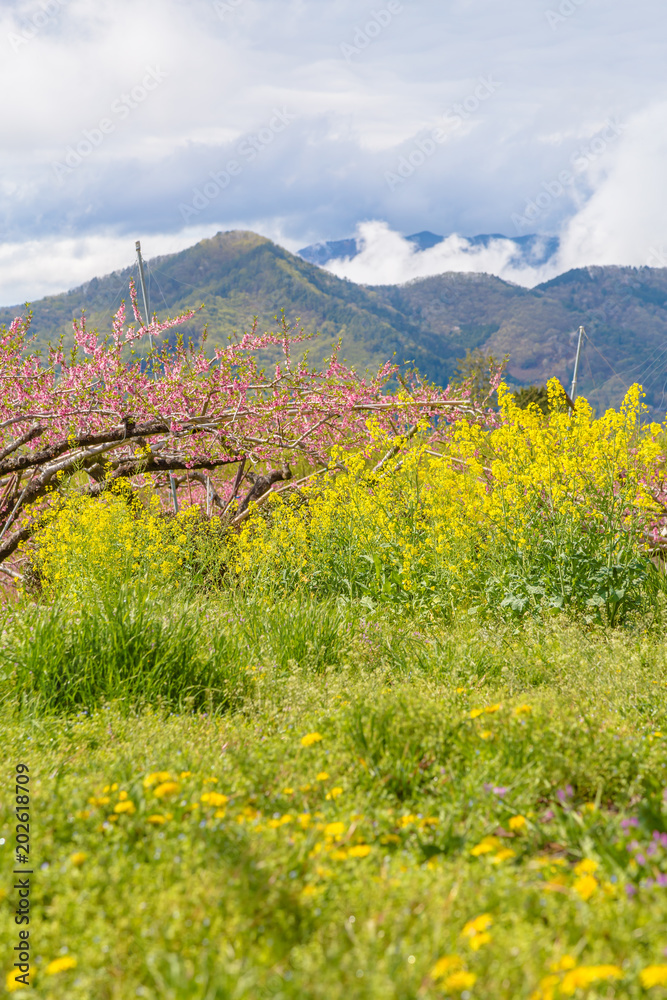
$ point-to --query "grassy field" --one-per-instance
(337, 756)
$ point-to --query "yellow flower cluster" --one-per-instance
(531, 484)
(85, 544)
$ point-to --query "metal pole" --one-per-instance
(172, 483)
(573, 390)
(143, 289)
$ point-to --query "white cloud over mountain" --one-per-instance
(160, 120)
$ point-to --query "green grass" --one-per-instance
(247, 903)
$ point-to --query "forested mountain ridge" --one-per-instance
(429, 322)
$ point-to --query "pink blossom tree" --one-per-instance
(216, 418)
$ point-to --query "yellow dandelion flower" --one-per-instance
(503, 855)
(61, 965)
(477, 925)
(214, 799)
(288, 791)
(334, 793)
(444, 965)
(485, 846)
(359, 851)
(585, 886)
(157, 819)
(522, 710)
(322, 776)
(517, 823)
(78, 858)
(310, 738)
(490, 709)
(653, 975)
(166, 788)
(16, 980)
(586, 867)
(459, 981)
(334, 829)
(585, 975)
(156, 778)
(125, 807)
(476, 712)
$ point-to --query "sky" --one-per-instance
(307, 120)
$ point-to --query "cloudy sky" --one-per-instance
(168, 120)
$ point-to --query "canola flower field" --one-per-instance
(402, 735)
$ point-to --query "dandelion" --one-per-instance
(653, 975)
(359, 851)
(459, 981)
(334, 793)
(310, 738)
(61, 965)
(166, 788)
(334, 829)
(476, 931)
(78, 858)
(522, 710)
(157, 819)
(585, 886)
(214, 799)
(322, 776)
(490, 709)
(156, 778)
(503, 855)
(476, 712)
(585, 975)
(586, 867)
(13, 982)
(486, 846)
(444, 965)
(517, 823)
(126, 806)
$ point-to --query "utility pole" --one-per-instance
(573, 390)
(143, 289)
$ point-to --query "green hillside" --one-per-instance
(430, 322)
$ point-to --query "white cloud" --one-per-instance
(355, 119)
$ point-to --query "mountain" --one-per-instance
(429, 322)
(531, 250)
